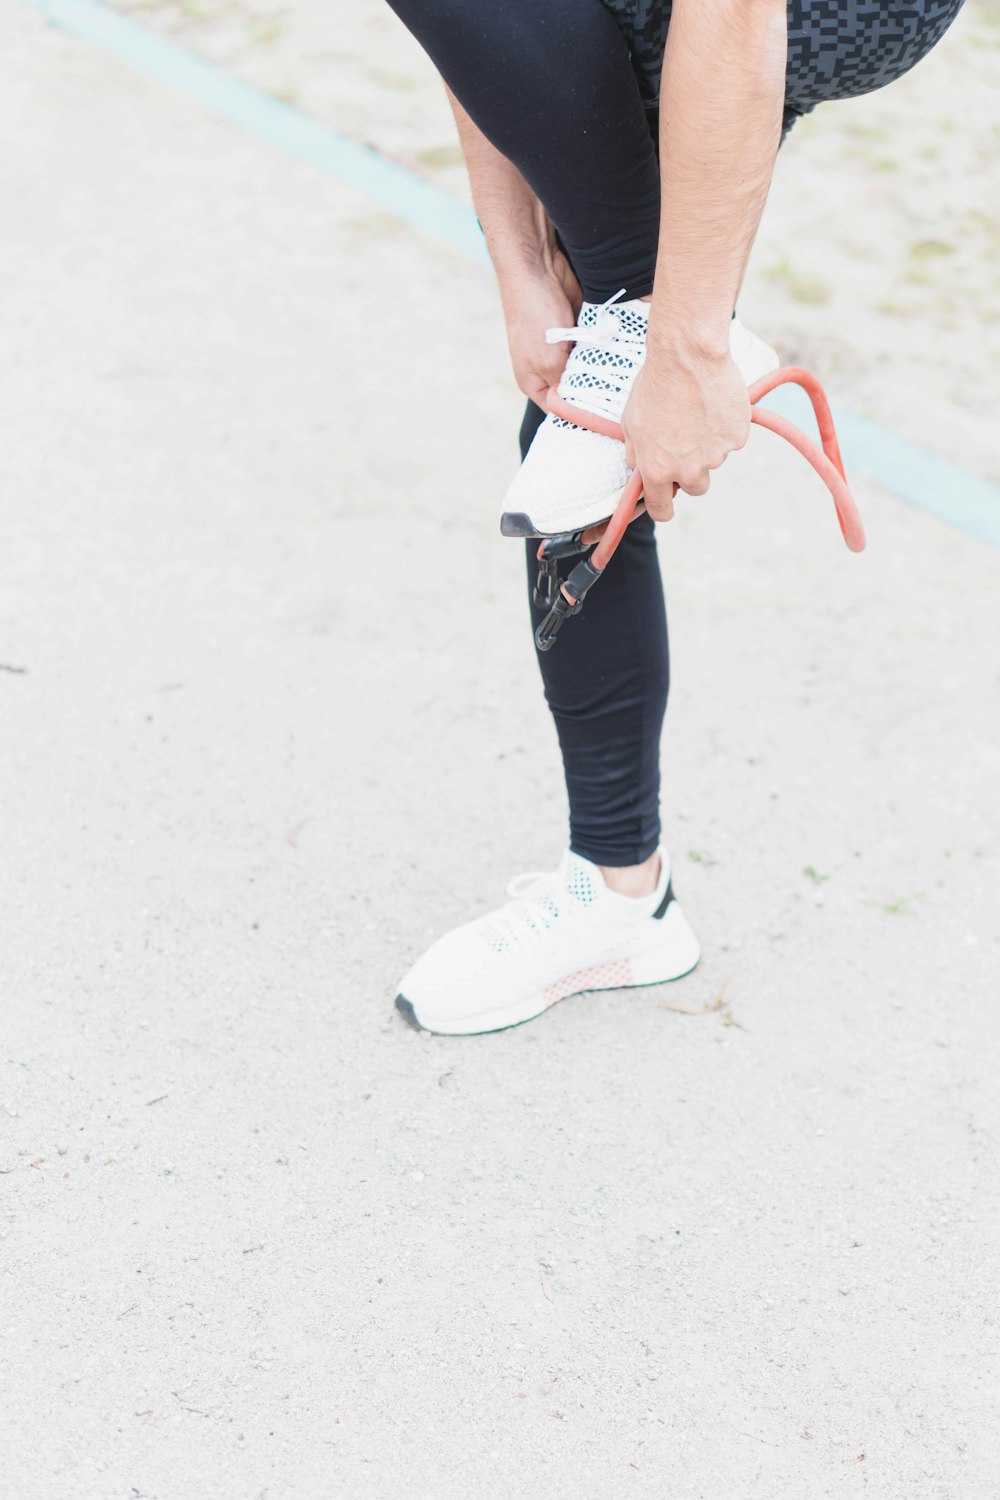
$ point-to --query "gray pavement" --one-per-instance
(270, 721)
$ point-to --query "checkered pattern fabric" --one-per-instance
(836, 48)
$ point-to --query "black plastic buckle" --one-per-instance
(577, 586)
(564, 544)
(546, 584)
(545, 635)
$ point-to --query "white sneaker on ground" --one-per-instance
(573, 478)
(560, 934)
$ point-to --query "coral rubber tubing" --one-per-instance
(826, 460)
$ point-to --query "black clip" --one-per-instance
(552, 548)
(563, 544)
(568, 601)
(545, 635)
(546, 584)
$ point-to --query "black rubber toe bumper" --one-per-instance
(516, 523)
(405, 1008)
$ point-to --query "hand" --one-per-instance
(685, 414)
(533, 300)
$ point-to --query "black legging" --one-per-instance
(567, 91)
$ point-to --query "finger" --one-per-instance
(661, 510)
(538, 372)
(538, 378)
(534, 386)
(660, 501)
(548, 371)
(695, 484)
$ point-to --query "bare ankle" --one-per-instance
(633, 880)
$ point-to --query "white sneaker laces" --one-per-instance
(532, 909)
(600, 388)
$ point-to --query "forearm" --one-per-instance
(722, 92)
(518, 233)
(537, 286)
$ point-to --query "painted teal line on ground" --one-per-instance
(934, 484)
(391, 186)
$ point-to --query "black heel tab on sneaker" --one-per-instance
(668, 896)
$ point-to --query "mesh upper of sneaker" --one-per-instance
(538, 902)
(608, 352)
(572, 477)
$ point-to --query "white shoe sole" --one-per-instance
(675, 956)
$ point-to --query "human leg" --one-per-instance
(606, 686)
(550, 83)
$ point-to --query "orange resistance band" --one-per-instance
(826, 461)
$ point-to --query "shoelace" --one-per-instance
(533, 907)
(602, 394)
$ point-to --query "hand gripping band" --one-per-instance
(563, 599)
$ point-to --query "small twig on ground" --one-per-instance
(701, 1010)
(196, 1409)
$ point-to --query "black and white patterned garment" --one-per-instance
(836, 48)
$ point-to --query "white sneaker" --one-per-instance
(560, 934)
(573, 478)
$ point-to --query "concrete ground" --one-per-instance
(271, 720)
